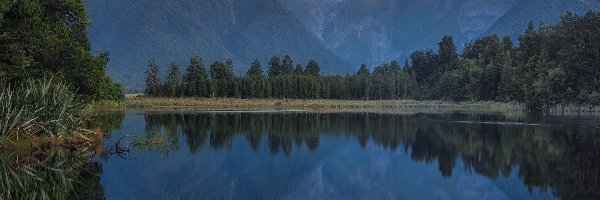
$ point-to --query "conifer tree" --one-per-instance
(313, 68)
(153, 85)
(448, 57)
(299, 70)
(288, 65)
(173, 80)
(255, 69)
(275, 66)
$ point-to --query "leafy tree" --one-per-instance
(39, 38)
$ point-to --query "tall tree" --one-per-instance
(255, 69)
(448, 58)
(228, 70)
(288, 65)
(172, 82)
(194, 80)
(313, 68)
(153, 84)
(299, 70)
(275, 66)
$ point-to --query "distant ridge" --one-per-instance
(137, 30)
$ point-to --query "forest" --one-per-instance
(552, 65)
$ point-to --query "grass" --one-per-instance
(39, 107)
(314, 105)
(161, 140)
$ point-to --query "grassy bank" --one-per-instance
(314, 105)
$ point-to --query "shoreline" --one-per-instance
(144, 103)
(36, 143)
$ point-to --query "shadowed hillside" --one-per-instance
(135, 31)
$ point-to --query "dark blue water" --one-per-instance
(353, 156)
(303, 155)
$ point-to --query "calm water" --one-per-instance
(299, 155)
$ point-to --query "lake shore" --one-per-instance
(29, 144)
(146, 103)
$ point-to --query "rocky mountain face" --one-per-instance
(515, 21)
(134, 31)
(377, 31)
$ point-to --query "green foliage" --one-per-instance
(39, 38)
(43, 107)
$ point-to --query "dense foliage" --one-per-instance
(552, 65)
(41, 37)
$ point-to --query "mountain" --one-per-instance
(377, 31)
(340, 34)
(515, 21)
(135, 31)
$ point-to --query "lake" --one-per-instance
(306, 155)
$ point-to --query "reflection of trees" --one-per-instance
(564, 159)
(49, 176)
(107, 122)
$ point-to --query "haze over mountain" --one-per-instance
(135, 31)
(340, 34)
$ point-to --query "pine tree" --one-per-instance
(274, 67)
(255, 69)
(364, 82)
(194, 79)
(299, 70)
(448, 58)
(313, 68)
(172, 82)
(153, 84)
(288, 65)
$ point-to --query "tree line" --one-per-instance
(553, 64)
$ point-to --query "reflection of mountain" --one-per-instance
(545, 156)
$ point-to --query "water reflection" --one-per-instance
(49, 175)
(560, 154)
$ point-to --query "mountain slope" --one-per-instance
(515, 21)
(377, 31)
(137, 30)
